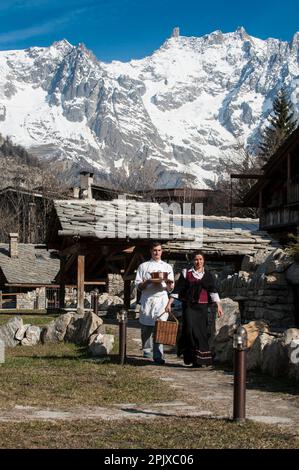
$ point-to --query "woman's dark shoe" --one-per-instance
(159, 362)
(196, 366)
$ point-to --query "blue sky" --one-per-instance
(128, 29)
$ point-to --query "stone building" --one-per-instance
(26, 270)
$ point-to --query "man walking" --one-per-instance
(153, 300)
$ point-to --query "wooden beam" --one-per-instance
(80, 283)
(96, 283)
(127, 293)
(62, 282)
(133, 263)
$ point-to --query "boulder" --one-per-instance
(8, 331)
(275, 359)
(100, 330)
(21, 332)
(290, 335)
(32, 336)
(293, 354)
(221, 340)
(254, 329)
(101, 345)
(81, 328)
(106, 301)
(290, 341)
(56, 330)
(292, 274)
(255, 353)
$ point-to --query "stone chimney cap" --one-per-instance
(86, 173)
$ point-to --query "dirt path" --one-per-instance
(203, 392)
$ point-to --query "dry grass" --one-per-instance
(63, 375)
(166, 433)
(39, 320)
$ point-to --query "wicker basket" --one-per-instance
(166, 331)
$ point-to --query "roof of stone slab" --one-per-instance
(117, 219)
(34, 264)
(230, 242)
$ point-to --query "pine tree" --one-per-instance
(281, 124)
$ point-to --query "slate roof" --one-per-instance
(90, 218)
(116, 219)
(234, 241)
(34, 264)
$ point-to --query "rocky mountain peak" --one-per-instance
(182, 109)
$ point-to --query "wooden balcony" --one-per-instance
(282, 216)
(293, 193)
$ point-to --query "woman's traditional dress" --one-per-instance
(195, 290)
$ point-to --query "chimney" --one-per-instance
(76, 192)
(86, 180)
(13, 245)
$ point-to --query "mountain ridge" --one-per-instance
(184, 109)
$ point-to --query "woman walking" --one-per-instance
(196, 289)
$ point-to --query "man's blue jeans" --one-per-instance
(148, 345)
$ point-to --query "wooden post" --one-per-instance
(127, 294)
(260, 209)
(80, 283)
(62, 282)
(289, 177)
(0, 299)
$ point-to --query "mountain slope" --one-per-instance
(185, 107)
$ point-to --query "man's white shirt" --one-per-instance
(154, 296)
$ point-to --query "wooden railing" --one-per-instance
(8, 300)
(293, 192)
(280, 216)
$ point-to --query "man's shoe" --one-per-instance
(147, 355)
(159, 362)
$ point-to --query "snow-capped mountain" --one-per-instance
(184, 108)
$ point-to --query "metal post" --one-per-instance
(240, 346)
(96, 306)
(55, 300)
(122, 319)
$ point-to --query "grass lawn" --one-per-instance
(38, 320)
(63, 376)
(165, 433)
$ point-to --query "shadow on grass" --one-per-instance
(256, 380)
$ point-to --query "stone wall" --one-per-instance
(115, 284)
(264, 292)
(32, 299)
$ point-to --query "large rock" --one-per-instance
(101, 345)
(21, 332)
(100, 330)
(107, 301)
(290, 340)
(81, 328)
(255, 353)
(254, 329)
(56, 330)
(275, 361)
(229, 319)
(221, 340)
(290, 335)
(8, 331)
(292, 274)
(32, 336)
(293, 354)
